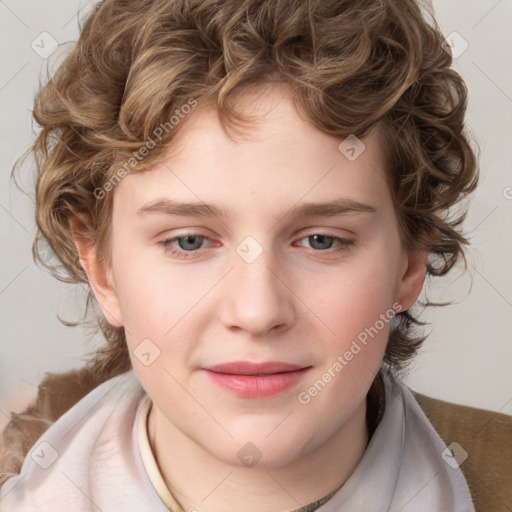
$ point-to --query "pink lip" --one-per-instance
(253, 380)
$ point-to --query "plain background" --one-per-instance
(467, 357)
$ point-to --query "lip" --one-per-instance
(256, 380)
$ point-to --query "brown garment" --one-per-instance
(487, 438)
(485, 435)
(57, 393)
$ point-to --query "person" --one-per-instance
(312, 150)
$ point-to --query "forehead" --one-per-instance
(281, 159)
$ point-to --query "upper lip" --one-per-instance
(250, 368)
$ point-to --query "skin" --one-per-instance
(297, 302)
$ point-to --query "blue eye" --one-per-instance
(321, 238)
(185, 251)
(190, 243)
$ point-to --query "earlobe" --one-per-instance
(99, 276)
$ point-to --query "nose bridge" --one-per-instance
(257, 298)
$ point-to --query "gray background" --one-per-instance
(468, 355)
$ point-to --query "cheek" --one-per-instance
(161, 302)
(355, 296)
(355, 317)
(143, 295)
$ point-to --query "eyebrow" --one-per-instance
(333, 208)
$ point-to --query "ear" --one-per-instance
(413, 269)
(100, 277)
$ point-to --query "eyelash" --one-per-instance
(344, 245)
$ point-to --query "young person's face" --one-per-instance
(256, 285)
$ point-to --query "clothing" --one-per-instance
(157, 479)
(90, 457)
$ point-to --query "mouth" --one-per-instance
(256, 380)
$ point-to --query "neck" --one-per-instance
(198, 479)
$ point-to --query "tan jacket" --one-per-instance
(485, 435)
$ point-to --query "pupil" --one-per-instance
(317, 237)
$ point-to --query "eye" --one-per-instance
(323, 242)
(188, 244)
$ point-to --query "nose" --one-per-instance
(257, 296)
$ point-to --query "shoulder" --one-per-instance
(486, 437)
(91, 446)
(61, 401)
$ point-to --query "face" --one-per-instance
(306, 294)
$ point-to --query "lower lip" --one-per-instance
(252, 386)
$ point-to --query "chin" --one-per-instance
(254, 450)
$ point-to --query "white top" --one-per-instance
(90, 460)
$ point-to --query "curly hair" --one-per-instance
(350, 66)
